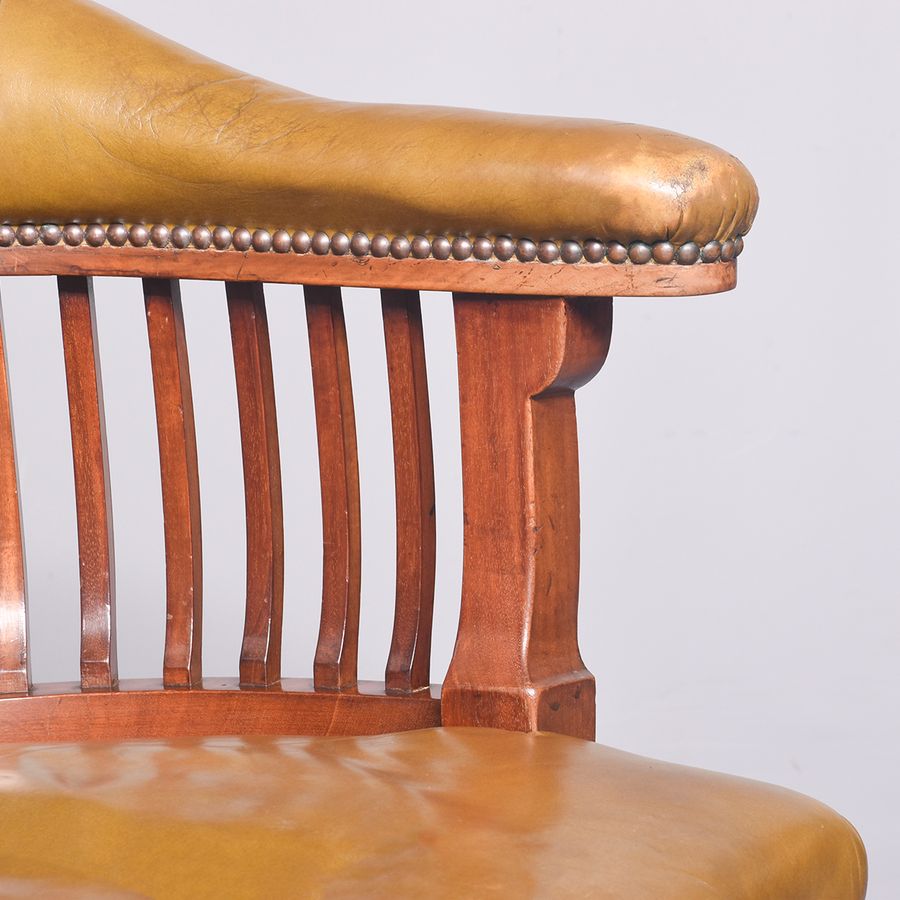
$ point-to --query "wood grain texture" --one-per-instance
(93, 501)
(142, 709)
(472, 276)
(261, 649)
(409, 662)
(336, 650)
(180, 481)
(516, 664)
(14, 660)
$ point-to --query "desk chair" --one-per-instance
(123, 154)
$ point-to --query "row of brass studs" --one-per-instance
(362, 245)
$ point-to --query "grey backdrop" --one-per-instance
(741, 501)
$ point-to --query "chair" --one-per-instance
(126, 155)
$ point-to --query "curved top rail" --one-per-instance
(493, 276)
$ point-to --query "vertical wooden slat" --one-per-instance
(336, 651)
(408, 667)
(261, 648)
(180, 482)
(92, 490)
(14, 660)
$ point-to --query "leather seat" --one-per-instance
(435, 813)
(101, 120)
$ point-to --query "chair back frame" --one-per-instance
(528, 335)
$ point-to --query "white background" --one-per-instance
(741, 502)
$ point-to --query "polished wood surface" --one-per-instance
(261, 649)
(472, 276)
(409, 662)
(14, 661)
(180, 479)
(516, 664)
(145, 709)
(93, 501)
(335, 662)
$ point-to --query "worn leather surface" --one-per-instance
(436, 813)
(101, 120)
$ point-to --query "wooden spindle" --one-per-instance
(336, 651)
(180, 483)
(14, 661)
(408, 667)
(261, 649)
(92, 490)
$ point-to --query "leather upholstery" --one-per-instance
(434, 813)
(101, 120)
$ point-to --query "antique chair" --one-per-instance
(124, 154)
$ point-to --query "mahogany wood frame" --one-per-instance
(469, 276)
(180, 479)
(528, 335)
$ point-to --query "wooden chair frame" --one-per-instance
(528, 335)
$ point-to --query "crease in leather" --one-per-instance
(102, 120)
(448, 812)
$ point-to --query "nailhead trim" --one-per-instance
(361, 245)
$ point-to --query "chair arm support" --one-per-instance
(516, 664)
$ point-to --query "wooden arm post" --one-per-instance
(516, 664)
